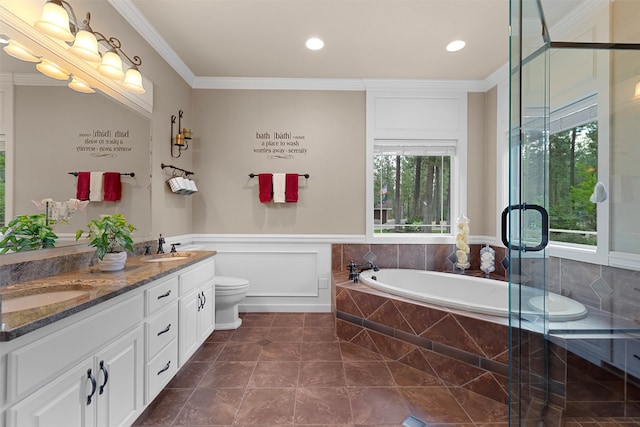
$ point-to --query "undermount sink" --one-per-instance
(42, 299)
(175, 256)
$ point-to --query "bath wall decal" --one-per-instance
(104, 142)
(280, 144)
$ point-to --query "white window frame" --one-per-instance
(413, 127)
(598, 254)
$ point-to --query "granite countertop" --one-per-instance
(92, 285)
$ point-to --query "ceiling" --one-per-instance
(364, 39)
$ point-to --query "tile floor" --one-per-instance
(284, 369)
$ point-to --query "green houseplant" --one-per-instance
(111, 236)
(27, 233)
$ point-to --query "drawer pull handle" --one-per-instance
(166, 294)
(204, 299)
(106, 376)
(636, 356)
(165, 330)
(165, 367)
(93, 386)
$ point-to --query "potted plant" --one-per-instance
(27, 233)
(111, 236)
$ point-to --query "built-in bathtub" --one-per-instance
(474, 294)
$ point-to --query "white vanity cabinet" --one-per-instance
(197, 308)
(86, 374)
(102, 366)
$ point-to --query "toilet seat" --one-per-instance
(226, 283)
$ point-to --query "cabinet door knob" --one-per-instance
(204, 299)
(165, 330)
(91, 378)
(106, 376)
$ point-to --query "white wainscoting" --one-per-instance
(285, 273)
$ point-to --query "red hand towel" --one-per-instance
(291, 187)
(265, 186)
(82, 190)
(111, 186)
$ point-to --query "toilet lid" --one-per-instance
(229, 282)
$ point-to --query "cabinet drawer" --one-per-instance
(161, 369)
(161, 295)
(161, 330)
(199, 274)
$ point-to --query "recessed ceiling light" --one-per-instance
(314, 43)
(455, 45)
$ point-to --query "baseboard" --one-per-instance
(284, 308)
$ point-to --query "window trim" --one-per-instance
(598, 254)
(429, 131)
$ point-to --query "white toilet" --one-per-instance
(229, 292)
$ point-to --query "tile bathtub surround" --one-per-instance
(468, 352)
(290, 369)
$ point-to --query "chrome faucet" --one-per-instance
(356, 269)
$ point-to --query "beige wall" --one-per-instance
(331, 201)
(481, 164)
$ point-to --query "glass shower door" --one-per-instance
(525, 221)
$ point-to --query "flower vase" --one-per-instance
(462, 243)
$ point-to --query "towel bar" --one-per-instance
(253, 175)
(121, 174)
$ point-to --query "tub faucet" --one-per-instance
(356, 269)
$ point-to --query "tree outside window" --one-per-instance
(412, 193)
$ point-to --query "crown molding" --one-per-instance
(132, 15)
(278, 83)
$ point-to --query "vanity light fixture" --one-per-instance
(17, 50)
(54, 20)
(636, 93)
(51, 69)
(58, 20)
(183, 136)
(85, 45)
(80, 85)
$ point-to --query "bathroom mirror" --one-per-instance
(50, 131)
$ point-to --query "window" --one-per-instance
(573, 173)
(412, 186)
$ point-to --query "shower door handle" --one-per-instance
(545, 227)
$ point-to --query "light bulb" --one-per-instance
(51, 69)
(111, 66)
(80, 85)
(54, 22)
(133, 81)
(17, 50)
(86, 46)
